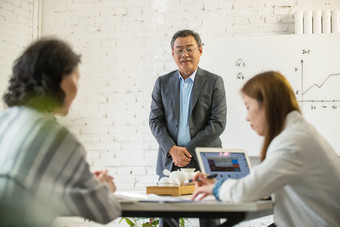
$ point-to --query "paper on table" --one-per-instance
(142, 197)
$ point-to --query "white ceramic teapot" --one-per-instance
(190, 172)
(177, 178)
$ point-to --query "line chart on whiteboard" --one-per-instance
(314, 93)
(311, 64)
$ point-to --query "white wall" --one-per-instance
(125, 47)
(16, 18)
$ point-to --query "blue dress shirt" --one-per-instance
(183, 136)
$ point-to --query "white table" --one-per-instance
(233, 212)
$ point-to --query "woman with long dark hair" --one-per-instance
(299, 168)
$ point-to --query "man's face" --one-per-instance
(186, 54)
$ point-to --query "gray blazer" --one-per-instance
(207, 113)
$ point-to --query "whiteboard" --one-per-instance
(311, 63)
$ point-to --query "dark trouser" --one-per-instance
(174, 222)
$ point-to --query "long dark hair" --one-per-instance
(274, 93)
(37, 74)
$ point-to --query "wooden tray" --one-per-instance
(171, 190)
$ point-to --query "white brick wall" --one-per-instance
(125, 47)
(16, 19)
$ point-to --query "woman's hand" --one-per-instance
(204, 186)
(102, 177)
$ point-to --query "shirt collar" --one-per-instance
(45, 115)
(192, 77)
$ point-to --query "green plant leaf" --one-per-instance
(129, 222)
(155, 222)
(121, 220)
(182, 222)
(147, 225)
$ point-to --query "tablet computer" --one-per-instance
(226, 163)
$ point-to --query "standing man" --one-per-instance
(188, 108)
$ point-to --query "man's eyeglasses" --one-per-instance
(187, 50)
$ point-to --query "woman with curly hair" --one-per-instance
(299, 169)
(43, 171)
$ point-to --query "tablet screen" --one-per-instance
(225, 164)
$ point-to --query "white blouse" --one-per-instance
(302, 174)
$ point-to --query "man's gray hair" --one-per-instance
(186, 33)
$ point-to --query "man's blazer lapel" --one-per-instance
(174, 85)
(196, 90)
